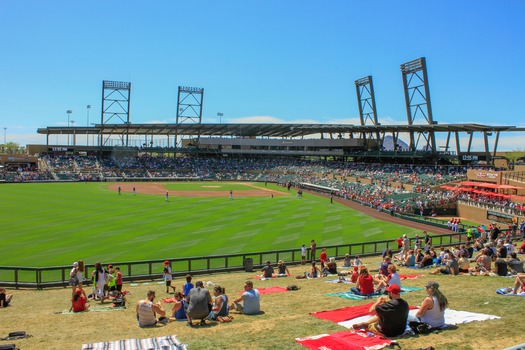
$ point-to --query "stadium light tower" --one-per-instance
(220, 115)
(88, 107)
(69, 111)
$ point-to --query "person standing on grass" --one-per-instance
(134, 191)
(167, 196)
(119, 190)
(313, 246)
(100, 276)
(231, 194)
(323, 257)
(168, 276)
(118, 279)
(303, 254)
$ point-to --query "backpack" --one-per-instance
(292, 287)
(420, 327)
(16, 335)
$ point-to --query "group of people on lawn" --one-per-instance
(196, 303)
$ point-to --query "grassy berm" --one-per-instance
(285, 317)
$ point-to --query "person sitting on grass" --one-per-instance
(392, 278)
(519, 281)
(188, 286)
(177, 311)
(251, 303)
(463, 263)
(451, 267)
(347, 262)
(147, 311)
(410, 259)
(5, 298)
(355, 274)
(427, 261)
(390, 315)
(432, 310)
(267, 270)
(79, 301)
(484, 261)
(330, 267)
(515, 265)
(282, 270)
(220, 306)
(364, 284)
(198, 301)
(314, 272)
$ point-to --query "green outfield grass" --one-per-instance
(56, 224)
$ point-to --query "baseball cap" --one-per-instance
(166, 262)
(75, 264)
(394, 289)
(268, 262)
(432, 284)
(356, 268)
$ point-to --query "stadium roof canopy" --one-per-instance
(268, 130)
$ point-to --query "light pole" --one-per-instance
(88, 108)
(5, 138)
(93, 124)
(74, 135)
(69, 111)
(220, 115)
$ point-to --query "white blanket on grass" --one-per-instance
(161, 343)
(452, 317)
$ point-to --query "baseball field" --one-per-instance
(58, 223)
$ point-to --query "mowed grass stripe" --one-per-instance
(56, 224)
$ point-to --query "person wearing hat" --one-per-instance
(73, 278)
(267, 270)
(432, 310)
(282, 270)
(168, 277)
(391, 314)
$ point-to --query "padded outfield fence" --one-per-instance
(58, 276)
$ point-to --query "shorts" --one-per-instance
(464, 270)
(168, 283)
(445, 271)
(73, 281)
(119, 287)
(238, 307)
(375, 328)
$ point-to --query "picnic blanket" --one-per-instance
(95, 308)
(169, 300)
(169, 342)
(270, 290)
(409, 277)
(341, 280)
(351, 296)
(452, 317)
(506, 292)
(346, 313)
(346, 340)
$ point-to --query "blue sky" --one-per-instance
(267, 61)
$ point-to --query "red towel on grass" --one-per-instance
(409, 277)
(346, 313)
(343, 314)
(348, 340)
(270, 290)
(168, 300)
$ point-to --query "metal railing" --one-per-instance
(58, 276)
